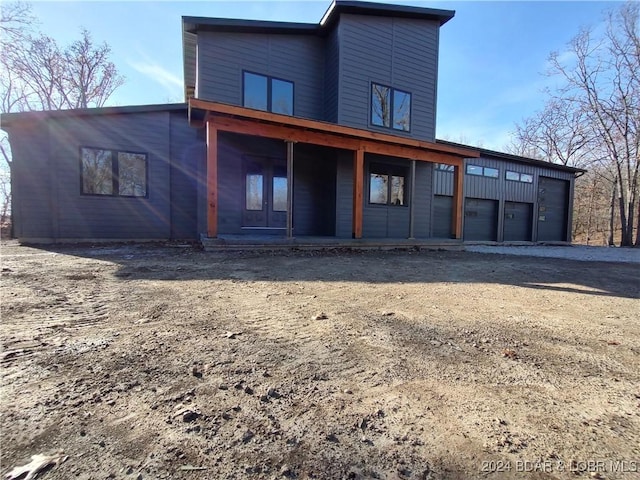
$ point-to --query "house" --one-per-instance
(289, 130)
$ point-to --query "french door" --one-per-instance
(265, 193)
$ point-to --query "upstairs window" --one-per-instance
(267, 93)
(482, 171)
(390, 108)
(113, 173)
(387, 185)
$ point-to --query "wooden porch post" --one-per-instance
(212, 180)
(358, 179)
(412, 196)
(458, 201)
(289, 189)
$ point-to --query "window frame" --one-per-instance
(115, 170)
(390, 171)
(392, 122)
(483, 170)
(270, 79)
(520, 177)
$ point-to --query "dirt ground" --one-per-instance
(164, 361)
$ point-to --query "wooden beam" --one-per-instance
(358, 180)
(289, 189)
(212, 180)
(280, 132)
(326, 127)
(412, 195)
(458, 202)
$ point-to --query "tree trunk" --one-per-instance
(612, 215)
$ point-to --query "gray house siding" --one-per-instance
(222, 57)
(187, 150)
(385, 221)
(31, 182)
(332, 76)
(344, 195)
(422, 200)
(96, 216)
(397, 52)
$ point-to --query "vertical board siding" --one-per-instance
(344, 194)
(332, 76)
(222, 56)
(401, 53)
(31, 185)
(553, 202)
(422, 199)
(386, 221)
(314, 191)
(186, 150)
(95, 216)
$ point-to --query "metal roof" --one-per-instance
(516, 158)
(7, 119)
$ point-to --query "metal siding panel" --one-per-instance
(553, 204)
(84, 216)
(443, 182)
(405, 58)
(298, 58)
(517, 221)
(442, 213)
(480, 219)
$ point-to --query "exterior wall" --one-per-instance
(501, 189)
(344, 195)
(31, 182)
(397, 52)
(222, 57)
(187, 151)
(422, 200)
(332, 76)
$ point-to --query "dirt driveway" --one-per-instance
(167, 362)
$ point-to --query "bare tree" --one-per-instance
(36, 74)
(593, 119)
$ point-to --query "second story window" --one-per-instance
(267, 93)
(482, 171)
(390, 107)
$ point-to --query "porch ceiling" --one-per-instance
(283, 127)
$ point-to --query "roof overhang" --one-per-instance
(247, 121)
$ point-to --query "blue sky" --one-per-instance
(492, 54)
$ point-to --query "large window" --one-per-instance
(267, 93)
(387, 185)
(390, 108)
(111, 172)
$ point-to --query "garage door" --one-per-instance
(480, 219)
(442, 212)
(517, 222)
(553, 202)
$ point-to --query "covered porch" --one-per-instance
(320, 183)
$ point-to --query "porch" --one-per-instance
(285, 181)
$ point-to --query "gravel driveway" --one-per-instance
(574, 252)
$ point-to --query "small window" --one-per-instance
(113, 173)
(526, 178)
(483, 171)
(518, 177)
(491, 172)
(267, 93)
(390, 108)
(279, 194)
(387, 185)
(474, 170)
(513, 176)
(444, 167)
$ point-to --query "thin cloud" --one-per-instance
(159, 74)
